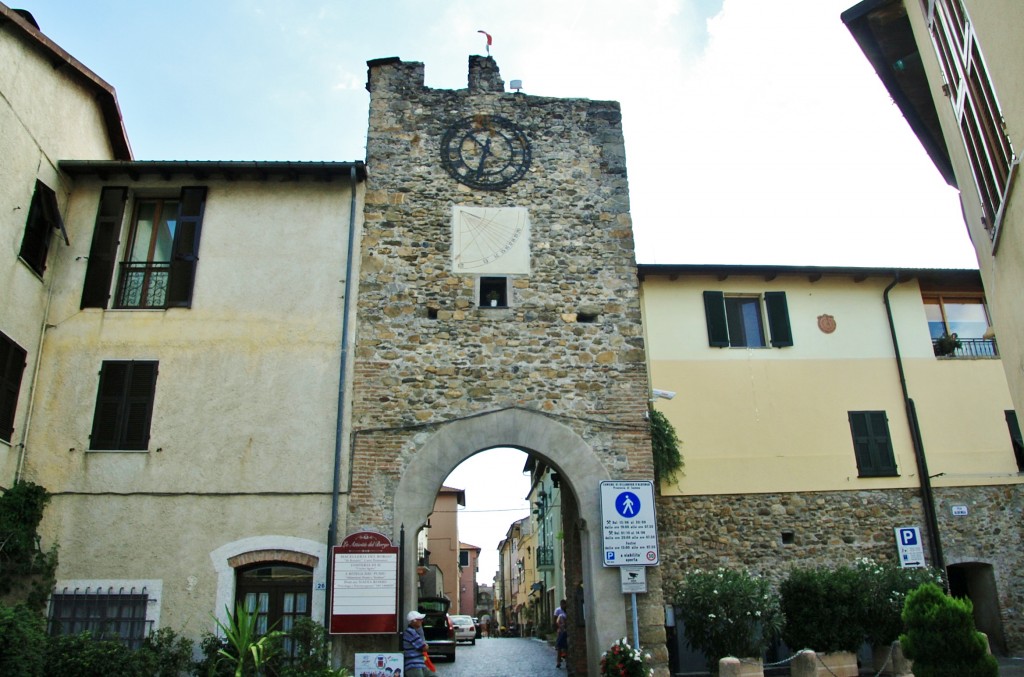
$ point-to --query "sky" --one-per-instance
(756, 132)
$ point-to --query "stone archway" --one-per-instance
(559, 446)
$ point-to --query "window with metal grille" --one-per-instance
(12, 365)
(975, 105)
(111, 614)
(124, 406)
(43, 218)
(872, 445)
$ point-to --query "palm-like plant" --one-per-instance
(249, 647)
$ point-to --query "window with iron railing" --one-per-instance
(107, 614)
(974, 102)
(545, 557)
(959, 325)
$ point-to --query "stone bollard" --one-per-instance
(734, 667)
(805, 664)
(811, 664)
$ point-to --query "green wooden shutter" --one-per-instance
(124, 405)
(778, 319)
(106, 422)
(12, 366)
(1014, 425)
(103, 252)
(185, 251)
(871, 443)
(43, 217)
(141, 388)
(718, 328)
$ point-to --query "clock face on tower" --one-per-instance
(487, 152)
(491, 240)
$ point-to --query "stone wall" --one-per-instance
(568, 346)
(770, 534)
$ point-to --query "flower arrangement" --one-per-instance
(622, 660)
(728, 613)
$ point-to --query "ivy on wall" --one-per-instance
(665, 445)
(27, 573)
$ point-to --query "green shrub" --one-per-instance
(163, 654)
(728, 613)
(940, 636)
(22, 642)
(311, 654)
(665, 446)
(823, 609)
(26, 572)
(82, 656)
(885, 587)
(211, 665)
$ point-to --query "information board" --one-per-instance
(629, 524)
(364, 588)
(911, 550)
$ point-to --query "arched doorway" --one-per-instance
(581, 472)
(977, 582)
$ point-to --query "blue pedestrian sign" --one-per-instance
(629, 525)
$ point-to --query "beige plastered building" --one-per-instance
(817, 415)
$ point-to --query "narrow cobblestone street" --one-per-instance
(502, 657)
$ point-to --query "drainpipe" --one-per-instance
(927, 497)
(342, 375)
(20, 469)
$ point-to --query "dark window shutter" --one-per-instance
(139, 405)
(12, 366)
(43, 217)
(103, 252)
(1014, 425)
(718, 329)
(871, 443)
(185, 254)
(124, 405)
(778, 319)
(109, 405)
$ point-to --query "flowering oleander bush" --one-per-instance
(824, 609)
(728, 613)
(885, 586)
(622, 660)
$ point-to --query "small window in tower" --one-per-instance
(493, 292)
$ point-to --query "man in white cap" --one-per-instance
(414, 647)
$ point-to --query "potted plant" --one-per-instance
(947, 344)
(729, 613)
(622, 660)
(492, 298)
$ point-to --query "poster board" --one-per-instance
(364, 585)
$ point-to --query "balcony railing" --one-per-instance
(143, 285)
(545, 557)
(969, 347)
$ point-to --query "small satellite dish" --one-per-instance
(516, 84)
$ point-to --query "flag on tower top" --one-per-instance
(488, 41)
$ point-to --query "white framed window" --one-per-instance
(975, 106)
(741, 320)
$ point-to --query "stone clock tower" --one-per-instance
(498, 306)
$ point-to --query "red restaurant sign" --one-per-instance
(364, 589)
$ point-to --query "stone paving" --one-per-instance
(502, 657)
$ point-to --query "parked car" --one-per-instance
(437, 627)
(465, 629)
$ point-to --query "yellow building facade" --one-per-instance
(817, 414)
